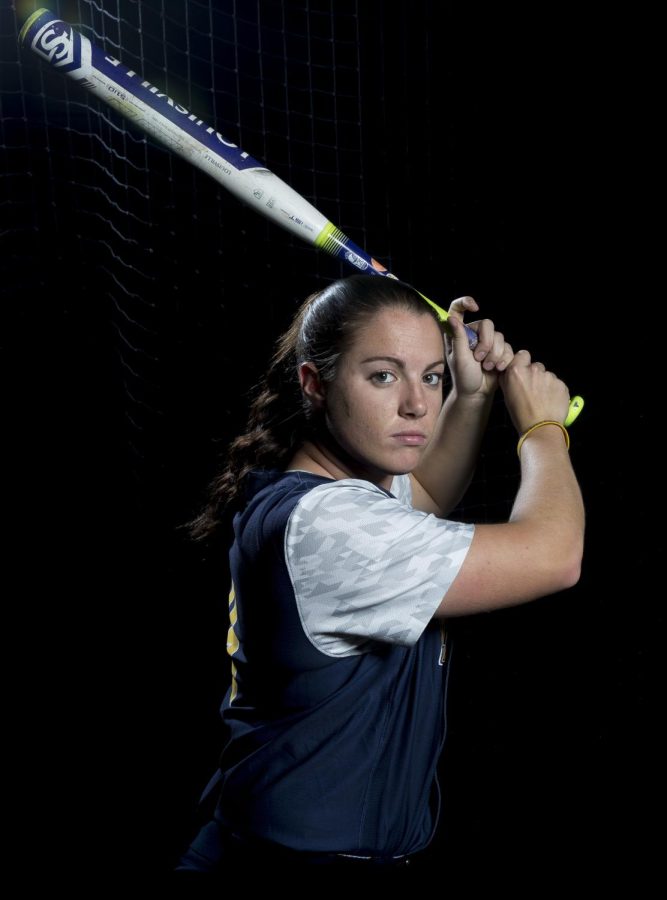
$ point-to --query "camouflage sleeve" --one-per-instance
(365, 567)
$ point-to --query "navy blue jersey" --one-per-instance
(336, 711)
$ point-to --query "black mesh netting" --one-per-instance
(467, 147)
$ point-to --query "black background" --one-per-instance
(495, 152)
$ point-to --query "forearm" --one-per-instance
(447, 466)
(549, 500)
(538, 552)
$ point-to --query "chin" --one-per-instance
(391, 471)
(408, 461)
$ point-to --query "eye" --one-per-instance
(433, 378)
(383, 377)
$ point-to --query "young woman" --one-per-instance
(345, 569)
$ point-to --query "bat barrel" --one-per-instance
(184, 133)
(169, 122)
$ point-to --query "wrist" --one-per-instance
(544, 427)
(476, 401)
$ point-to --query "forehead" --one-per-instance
(394, 331)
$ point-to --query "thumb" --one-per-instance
(455, 335)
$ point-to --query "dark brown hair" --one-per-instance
(280, 419)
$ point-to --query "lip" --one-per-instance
(410, 438)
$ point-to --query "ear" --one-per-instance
(311, 384)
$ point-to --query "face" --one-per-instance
(384, 402)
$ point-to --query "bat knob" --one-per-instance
(576, 405)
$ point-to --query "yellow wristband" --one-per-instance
(539, 425)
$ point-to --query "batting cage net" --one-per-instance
(142, 301)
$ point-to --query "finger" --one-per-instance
(457, 339)
(462, 305)
(521, 359)
(496, 353)
(485, 338)
(553, 377)
(508, 355)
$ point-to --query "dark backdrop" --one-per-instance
(484, 151)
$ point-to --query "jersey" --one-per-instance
(336, 710)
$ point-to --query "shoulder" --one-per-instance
(345, 507)
(354, 492)
(341, 492)
(271, 487)
(352, 506)
(271, 496)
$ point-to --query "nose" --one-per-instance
(413, 403)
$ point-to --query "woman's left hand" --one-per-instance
(475, 371)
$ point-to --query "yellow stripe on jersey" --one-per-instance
(235, 688)
(232, 640)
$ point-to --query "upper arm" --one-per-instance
(509, 564)
(410, 491)
(367, 567)
(421, 499)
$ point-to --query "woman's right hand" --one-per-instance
(532, 394)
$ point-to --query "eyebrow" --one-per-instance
(399, 362)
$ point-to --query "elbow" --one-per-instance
(561, 557)
(571, 575)
(570, 567)
(560, 577)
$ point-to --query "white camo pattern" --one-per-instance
(366, 567)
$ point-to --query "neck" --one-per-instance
(328, 459)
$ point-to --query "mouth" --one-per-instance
(410, 438)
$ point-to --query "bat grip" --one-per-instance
(443, 315)
(472, 337)
(334, 241)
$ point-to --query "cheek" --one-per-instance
(356, 411)
(368, 408)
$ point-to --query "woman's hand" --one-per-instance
(475, 372)
(533, 394)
